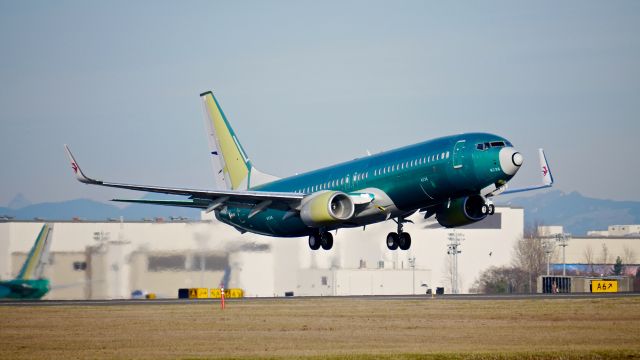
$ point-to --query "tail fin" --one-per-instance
(233, 168)
(547, 177)
(34, 265)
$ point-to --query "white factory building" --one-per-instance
(111, 259)
(595, 253)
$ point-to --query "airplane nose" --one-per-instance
(517, 159)
(510, 160)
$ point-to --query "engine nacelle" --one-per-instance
(326, 208)
(462, 211)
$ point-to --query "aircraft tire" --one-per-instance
(404, 242)
(327, 241)
(392, 241)
(492, 209)
(314, 241)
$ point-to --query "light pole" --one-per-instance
(452, 249)
(563, 240)
(547, 245)
(412, 263)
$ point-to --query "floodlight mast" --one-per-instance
(412, 263)
(563, 240)
(452, 249)
(548, 247)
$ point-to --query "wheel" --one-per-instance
(492, 209)
(404, 242)
(327, 241)
(392, 241)
(314, 241)
(485, 209)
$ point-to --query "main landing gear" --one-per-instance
(322, 239)
(399, 239)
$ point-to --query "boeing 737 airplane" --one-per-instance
(453, 178)
(29, 284)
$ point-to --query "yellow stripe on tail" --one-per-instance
(230, 162)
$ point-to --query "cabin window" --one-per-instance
(447, 154)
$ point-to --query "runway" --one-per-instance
(446, 297)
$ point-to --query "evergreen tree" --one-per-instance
(617, 268)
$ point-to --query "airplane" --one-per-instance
(453, 178)
(30, 284)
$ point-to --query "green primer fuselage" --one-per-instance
(414, 177)
(24, 289)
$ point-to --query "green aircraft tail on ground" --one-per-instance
(30, 284)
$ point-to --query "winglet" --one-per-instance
(76, 169)
(547, 177)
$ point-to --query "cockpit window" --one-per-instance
(489, 145)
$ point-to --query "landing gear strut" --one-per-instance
(322, 239)
(399, 239)
(488, 208)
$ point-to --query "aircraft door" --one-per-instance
(458, 154)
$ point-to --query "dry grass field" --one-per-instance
(328, 329)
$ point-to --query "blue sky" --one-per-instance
(308, 84)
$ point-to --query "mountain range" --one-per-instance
(85, 209)
(577, 213)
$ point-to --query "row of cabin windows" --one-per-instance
(409, 164)
(333, 183)
(388, 169)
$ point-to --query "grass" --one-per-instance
(329, 329)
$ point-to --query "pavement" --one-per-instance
(447, 297)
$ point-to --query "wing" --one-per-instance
(202, 199)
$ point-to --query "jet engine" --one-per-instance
(462, 211)
(326, 208)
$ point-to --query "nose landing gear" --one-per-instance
(488, 208)
(399, 239)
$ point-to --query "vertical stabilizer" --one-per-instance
(33, 267)
(232, 167)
